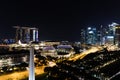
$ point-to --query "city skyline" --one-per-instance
(57, 20)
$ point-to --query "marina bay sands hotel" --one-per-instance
(26, 34)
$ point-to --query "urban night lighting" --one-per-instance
(60, 40)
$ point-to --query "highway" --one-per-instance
(85, 53)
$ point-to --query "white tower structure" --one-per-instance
(31, 64)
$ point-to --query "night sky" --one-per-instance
(57, 20)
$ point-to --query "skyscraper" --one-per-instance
(91, 36)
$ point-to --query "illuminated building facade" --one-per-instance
(114, 32)
(26, 34)
(111, 34)
(104, 35)
(83, 36)
(107, 35)
(35, 34)
(117, 35)
(91, 37)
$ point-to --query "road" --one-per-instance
(85, 53)
(22, 74)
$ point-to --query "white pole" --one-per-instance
(31, 65)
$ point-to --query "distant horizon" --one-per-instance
(48, 38)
